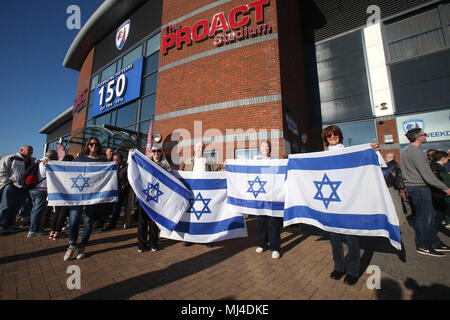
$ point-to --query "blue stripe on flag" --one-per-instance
(205, 184)
(203, 228)
(169, 183)
(342, 161)
(62, 168)
(155, 216)
(256, 169)
(345, 221)
(256, 204)
(82, 196)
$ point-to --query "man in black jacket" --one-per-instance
(394, 181)
(123, 186)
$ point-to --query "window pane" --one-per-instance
(89, 113)
(94, 82)
(109, 71)
(153, 44)
(126, 115)
(133, 55)
(91, 98)
(143, 127)
(358, 132)
(246, 153)
(151, 63)
(211, 155)
(149, 85)
(104, 119)
(148, 107)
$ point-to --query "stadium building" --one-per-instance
(235, 72)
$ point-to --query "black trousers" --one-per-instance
(147, 231)
(59, 217)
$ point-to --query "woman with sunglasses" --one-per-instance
(147, 228)
(332, 138)
(92, 153)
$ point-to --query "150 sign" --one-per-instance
(118, 89)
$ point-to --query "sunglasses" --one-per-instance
(158, 151)
(94, 144)
(331, 134)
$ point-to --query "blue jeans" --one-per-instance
(274, 232)
(12, 199)
(74, 223)
(426, 234)
(351, 264)
(39, 198)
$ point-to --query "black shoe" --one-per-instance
(350, 280)
(188, 244)
(441, 248)
(108, 228)
(336, 275)
(209, 245)
(430, 252)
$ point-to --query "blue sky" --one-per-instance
(34, 86)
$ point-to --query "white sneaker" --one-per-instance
(81, 254)
(69, 253)
(259, 250)
(275, 254)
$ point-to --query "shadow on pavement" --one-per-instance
(61, 249)
(433, 292)
(220, 252)
(391, 290)
(151, 280)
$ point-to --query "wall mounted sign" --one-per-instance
(122, 34)
(224, 28)
(120, 88)
(435, 124)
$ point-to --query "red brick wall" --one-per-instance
(246, 72)
(79, 118)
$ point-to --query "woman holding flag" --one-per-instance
(92, 152)
(147, 228)
(264, 222)
(332, 138)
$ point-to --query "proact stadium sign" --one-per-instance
(223, 28)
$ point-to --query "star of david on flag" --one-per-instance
(346, 193)
(162, 196)
(152, 192)
(85, 183)
(261, 186)
(203, 204)
(81, 183)
(334, 185)
(256, 187)
(208, 217)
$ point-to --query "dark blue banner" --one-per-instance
(118, 89)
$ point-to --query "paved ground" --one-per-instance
(231, 270)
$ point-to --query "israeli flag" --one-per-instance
(341, 191)
(208, 217)
(256, 187)
(162, 196)
(81, 183)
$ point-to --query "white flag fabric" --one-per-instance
(162, 196)
(81, 183)
(208, 217)
(256, 187)
(341, 191)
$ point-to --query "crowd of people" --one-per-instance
(419, 187)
